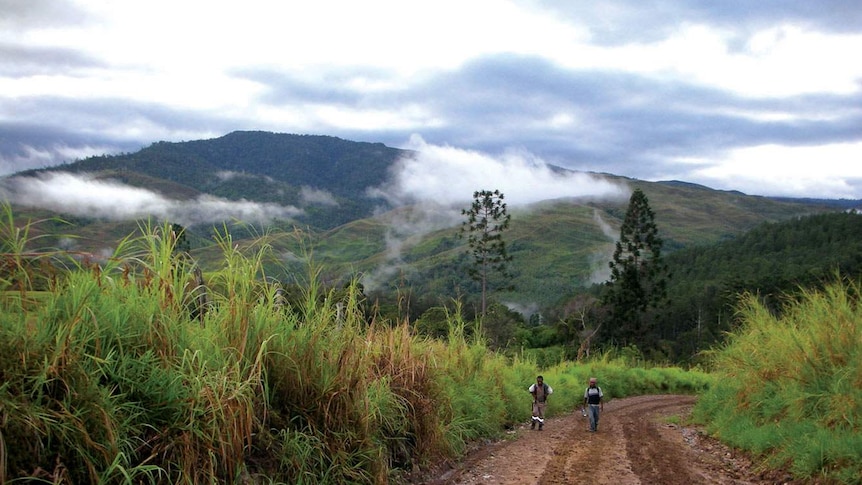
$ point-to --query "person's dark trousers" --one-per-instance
(594, 417)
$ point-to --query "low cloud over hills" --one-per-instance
(441, 177)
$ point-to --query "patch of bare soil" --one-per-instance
(639, 441)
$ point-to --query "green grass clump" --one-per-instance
(789, 387)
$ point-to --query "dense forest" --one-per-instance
(773, 261)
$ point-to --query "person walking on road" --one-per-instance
(594, 404)
(540, 392)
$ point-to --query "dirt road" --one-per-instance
(640, 441)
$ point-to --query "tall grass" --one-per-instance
(118, 375)
(111, 380)
(790, 386)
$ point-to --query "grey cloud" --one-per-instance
(14, 135)
(620, 121)
(832, 15)
(617, 22)
(335, 86)
(49, 131)
(21, 15)
(22, 61)
(106, 115)
(25, 146)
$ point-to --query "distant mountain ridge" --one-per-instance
(259, 166)
(299, 159)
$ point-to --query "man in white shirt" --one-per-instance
(540, 392)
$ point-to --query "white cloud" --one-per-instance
(601, 272)
(83, 195)
(30, 157)
(404, 37)
(449, 176)
(309, 195)
(196, 37)
(784, 60)
(406, 227)
(784, 170)
(439, 181)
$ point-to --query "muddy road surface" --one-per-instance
(640, 440)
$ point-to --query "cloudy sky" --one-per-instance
(759, 96)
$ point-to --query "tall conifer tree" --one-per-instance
(487, 219)
(639, 276)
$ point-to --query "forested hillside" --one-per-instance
(773, 261)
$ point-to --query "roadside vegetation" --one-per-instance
(788, 385)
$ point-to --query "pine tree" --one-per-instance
(639, 276)
(487, 219)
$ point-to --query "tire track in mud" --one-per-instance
(627, 449)
(653, 458)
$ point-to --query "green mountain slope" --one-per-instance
(559, 247)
